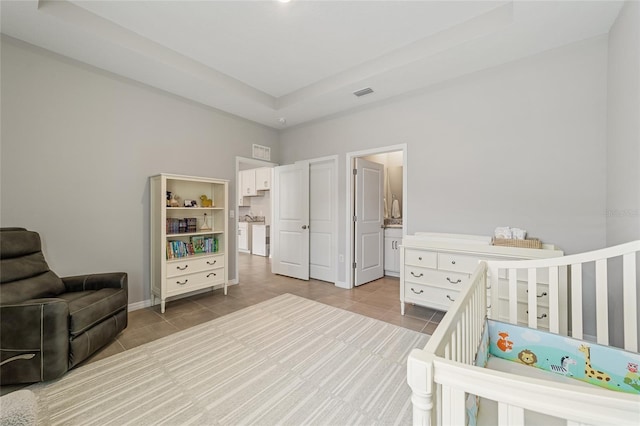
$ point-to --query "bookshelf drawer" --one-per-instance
(189, 282)
(189, 266)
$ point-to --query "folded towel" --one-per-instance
(395, 210)
(503, 232)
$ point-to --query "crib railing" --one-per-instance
(456, 339)
(556, 268)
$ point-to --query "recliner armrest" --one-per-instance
(96, 281)
(39, 327)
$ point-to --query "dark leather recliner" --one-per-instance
(49, 324)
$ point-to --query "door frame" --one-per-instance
(257, 163)
(350, 199)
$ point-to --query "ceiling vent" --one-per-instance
(363, 92)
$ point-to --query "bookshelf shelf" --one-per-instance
(181, 251)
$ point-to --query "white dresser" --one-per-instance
(435, 266)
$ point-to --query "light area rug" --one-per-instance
(285, 361)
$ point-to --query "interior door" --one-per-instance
(322, 186)
(368, 221)
(291, 221)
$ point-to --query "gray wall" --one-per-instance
(78, 146)
(623, 131)
(523, 144)
(623, 147)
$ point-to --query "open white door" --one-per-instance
(291, 221)
(369, 221)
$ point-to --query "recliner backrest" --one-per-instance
(24, 273)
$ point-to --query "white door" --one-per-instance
(322, 213)
(291, 221)
(369, 221)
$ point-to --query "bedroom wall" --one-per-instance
(623, 127)
(523, 144)
(78, 147)
(623, 147)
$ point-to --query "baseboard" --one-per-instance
(147, 303)
(342, 284)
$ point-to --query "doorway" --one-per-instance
(396, 204)
(258, 206)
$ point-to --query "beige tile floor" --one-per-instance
(378, 299)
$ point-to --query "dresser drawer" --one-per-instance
(457, 263)
(446, 279)
(189, 266)
(523, 316)
(426, 259)
(438, 298)
(542, 292)
(189, 282)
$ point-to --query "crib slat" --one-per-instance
(513, 296)
(509, 415)
(576, 300)
(630, 308)
(453, 406)
(532, 299)
(554, 302)
(602, 304)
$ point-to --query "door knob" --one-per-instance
(304, 227)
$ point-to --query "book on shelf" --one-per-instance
(197, 245)
(181, 226)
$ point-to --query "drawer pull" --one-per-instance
(541, 316)
(209, 263)
(211, 273)
(417, 276)
(453, 262)
(179, 283)
(449, 297)
(420, 258)
(544, 293)
(454, 282)
(417, 292)
(182, 269)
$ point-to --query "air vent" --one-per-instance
(261, 152)
(363, 92)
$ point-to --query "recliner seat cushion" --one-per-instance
(88, 308)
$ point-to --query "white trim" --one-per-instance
(342, 284)
(350, 157)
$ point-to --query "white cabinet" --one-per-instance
(188, 244)
(435, 266)
(263, 179)
(392, 241)
(242, 201)
(248, 180)
(260, 240)
(244, 237)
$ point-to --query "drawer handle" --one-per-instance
(179, 283)
(420, 258)
(449, 297)
(541, 316)
(182, 269)
(454, 282)
(417, 276)
(544, 293)
(417, 292)
(453, 262)
(211, 273)
(209, 263)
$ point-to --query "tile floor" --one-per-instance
(378, 299)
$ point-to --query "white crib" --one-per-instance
(443, 374)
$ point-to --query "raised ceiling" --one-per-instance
(301, 61)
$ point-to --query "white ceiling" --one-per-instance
(265, 60)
